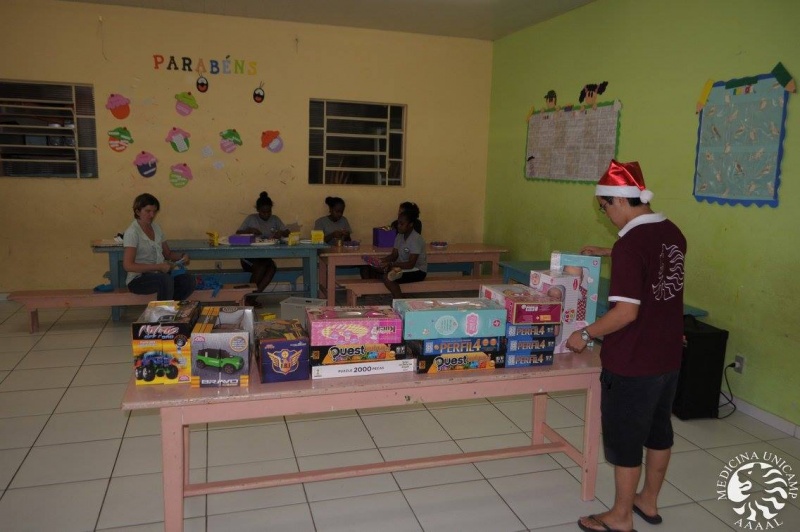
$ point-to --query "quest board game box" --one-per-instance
(355, 353)
(523, 304)
(587, 268)
(371, 367)
(222, 342)
(452, 362)
(425, 319)
(354, 325)
(282, 350)
(161, 342)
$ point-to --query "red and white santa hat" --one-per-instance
(623, 180)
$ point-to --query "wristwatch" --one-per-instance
(585, 336)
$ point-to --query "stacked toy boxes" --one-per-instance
(161, 342)
(282, 350)
(453, 333)
(533, 320)
(222, 340)
(353, 341)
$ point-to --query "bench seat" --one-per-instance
(460, 283)
(229, 276)
(33, 300)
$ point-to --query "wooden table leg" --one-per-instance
(591, 440)
(539, 416)
(173, 434)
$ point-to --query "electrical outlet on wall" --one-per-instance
(739, 361)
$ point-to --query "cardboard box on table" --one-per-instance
(383, 237)
(282, 350)
(523, 304)
(371, 367)
(222, 343)
(450, 346)
(527, 360)
(588, 268)
(294, 308)
(161, 342)
(354, 325)
(530, 336)
(530, 331)
(425, 319)
(355, 353)
(437, 363)
(566, 287)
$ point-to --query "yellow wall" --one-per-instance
(741, 262)
(46, 224)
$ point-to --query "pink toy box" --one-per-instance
(470, 317)
(587, 267)
(567, 288)
(161, 342)
(523, 304)
(383, 237)
(354, 325)
(282, 350)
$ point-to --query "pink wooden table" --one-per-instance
(330, 258)
(181, 406)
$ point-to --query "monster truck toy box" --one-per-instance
(470, 317)
(161, 342)
(282, 351)
(222, 341)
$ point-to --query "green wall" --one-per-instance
(742, 262)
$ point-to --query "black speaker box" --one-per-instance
(701, 371)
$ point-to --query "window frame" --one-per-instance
(48, 130)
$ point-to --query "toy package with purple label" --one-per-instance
(354, 325)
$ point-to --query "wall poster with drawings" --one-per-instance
(740, 141)
(572, 144)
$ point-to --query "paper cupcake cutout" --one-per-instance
(258, 94)
(145, 162)
(272, 141)
(180, 175)
(178, 139)
(119, 138)
(230, 139)
(185, 103)
(202, 84)
(119, 106)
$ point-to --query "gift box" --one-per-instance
(161, 342)
(587, 267)
(523, 304)
(241, 240)
(450, 318)
(222, 340)
(282, 350)
(354, 325)
(383, 237)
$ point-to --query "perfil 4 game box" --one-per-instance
(354, 325)
(523, 304)
(222, 341)
(161, 342)
(437, 363)
(587, 267)
(565, 287)
(530, 344)
(282, 350)
(425, 319)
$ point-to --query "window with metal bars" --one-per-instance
(355, 143)
(47, 130)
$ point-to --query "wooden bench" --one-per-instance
(33, 300)
(460, 283)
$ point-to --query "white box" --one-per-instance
(294, 308)
(358, 369)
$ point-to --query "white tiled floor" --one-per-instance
(71, 460)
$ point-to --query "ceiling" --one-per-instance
(476, 19)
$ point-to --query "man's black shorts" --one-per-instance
(636, 413)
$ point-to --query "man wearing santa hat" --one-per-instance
(642, 344)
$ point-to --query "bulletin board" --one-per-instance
(740, 142)
(572, 144)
